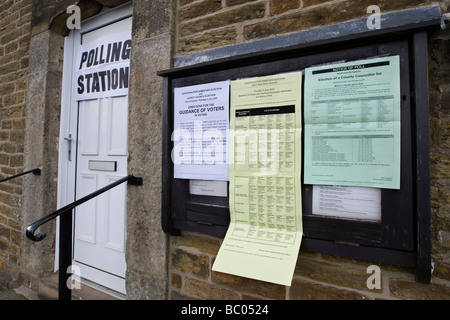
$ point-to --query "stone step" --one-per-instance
(48, 290)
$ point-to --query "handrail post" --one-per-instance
(65, 255)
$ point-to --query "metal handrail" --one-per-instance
(65, 232)
(41, 235)
(36, 171)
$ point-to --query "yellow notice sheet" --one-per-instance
(264, 236)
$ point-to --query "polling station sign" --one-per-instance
(103, 67)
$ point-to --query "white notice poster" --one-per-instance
(201, 123)
(103, 67)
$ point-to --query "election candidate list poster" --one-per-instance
(264, 236)
(352, 124)
(201, 122)
(103, 67)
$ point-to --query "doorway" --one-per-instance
(93, 145)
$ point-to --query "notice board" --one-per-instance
(395, 229)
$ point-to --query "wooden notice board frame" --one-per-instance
(402, 237)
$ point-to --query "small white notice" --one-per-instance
(201, 124)
(208, 188)
(347, 202)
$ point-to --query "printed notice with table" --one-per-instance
(264, 236)
(352, 124)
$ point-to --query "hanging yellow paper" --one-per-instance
(264, 236)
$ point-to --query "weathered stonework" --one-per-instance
(147, 244)
(41, 149)
(15, 17)
(439, 66)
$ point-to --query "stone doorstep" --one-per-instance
(48, 290)
(27, 293)
(7, 281)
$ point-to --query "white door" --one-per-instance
(99, 225)
(97, 157)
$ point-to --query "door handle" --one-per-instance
(69, 139)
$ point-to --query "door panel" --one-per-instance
(117, 128)
(115, 232)
(89, 123)
(86, 224)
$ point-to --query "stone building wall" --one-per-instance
(205, 24)
(439, 99)
(15, 17)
